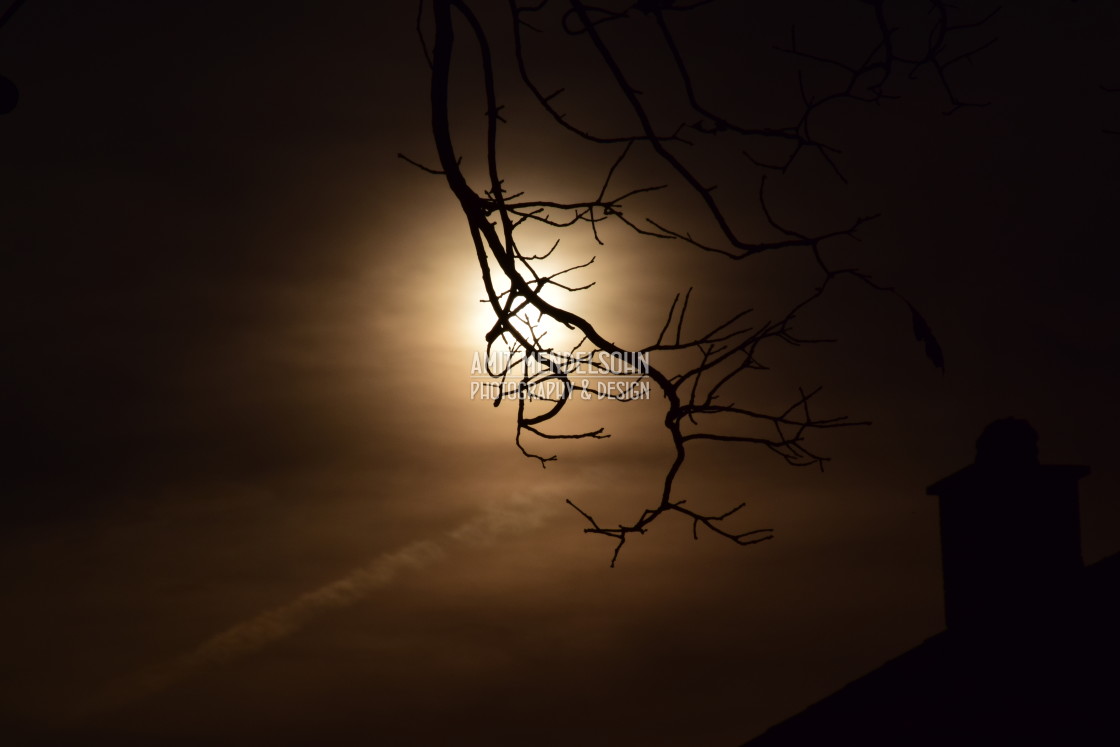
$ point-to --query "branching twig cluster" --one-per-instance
(698, 397)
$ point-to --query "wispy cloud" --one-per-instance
(278, 623)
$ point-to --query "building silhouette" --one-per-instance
(1031, 651)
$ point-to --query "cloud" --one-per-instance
(523, 513)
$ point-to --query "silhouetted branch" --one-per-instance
(10, 11)
(703, 370)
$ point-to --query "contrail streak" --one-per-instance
(278, 623)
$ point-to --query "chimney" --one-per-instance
(1010, 534)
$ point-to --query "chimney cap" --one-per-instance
(1007, 448)
(1008, 442)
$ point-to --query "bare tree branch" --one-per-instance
(698, 382)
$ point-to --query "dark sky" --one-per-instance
(247, 497)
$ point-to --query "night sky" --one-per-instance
(247, 497)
